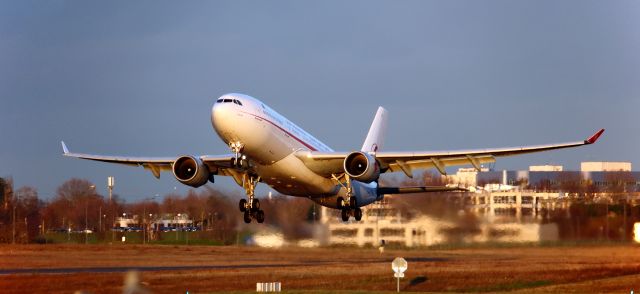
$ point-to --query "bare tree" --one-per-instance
(28, 214)
(76, 205)
(6, 189)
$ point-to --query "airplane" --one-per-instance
(266, 147)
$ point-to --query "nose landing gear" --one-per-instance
(251, 208)
(239, 160)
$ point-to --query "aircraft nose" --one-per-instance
(220, 116)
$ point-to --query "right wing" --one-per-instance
(217, 164)
(328, 163)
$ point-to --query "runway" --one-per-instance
(177, 269)
(74, 270)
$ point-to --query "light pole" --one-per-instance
(110, 184)
(177, 219)
(149, 228)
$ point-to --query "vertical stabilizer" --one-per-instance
(375, 137)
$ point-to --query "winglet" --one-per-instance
(594, 138)
(64, 148)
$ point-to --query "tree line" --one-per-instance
(25, 217)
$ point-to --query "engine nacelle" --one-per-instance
(362, 167)
(191, 171)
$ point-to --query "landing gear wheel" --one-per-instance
(242, 205)
(353, 202)
(357, 214)
(247, 217)
(345, 215)
(339, 203)
(260, 216)
(255, 204)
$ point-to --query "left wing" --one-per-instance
(217, 164)
(328, 163)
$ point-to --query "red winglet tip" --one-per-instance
(595, 137)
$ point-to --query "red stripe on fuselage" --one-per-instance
(286, 132)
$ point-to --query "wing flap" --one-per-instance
(397, 165)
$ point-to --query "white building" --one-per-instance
(545, 168)
(382, 222)
(601, 166)
(466, 177)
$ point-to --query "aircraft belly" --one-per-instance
(291, 177)
(364, 193)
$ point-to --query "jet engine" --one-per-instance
(191, 171)
(362, 167)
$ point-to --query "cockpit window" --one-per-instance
(227, 100)
(219, 100)
(237, 102)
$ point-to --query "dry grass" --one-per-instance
(612, 268)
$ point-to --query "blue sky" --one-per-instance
(139, 78)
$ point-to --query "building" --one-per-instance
(546, 168)
(555, 178)
(178, 221)
(605, 166)
(510, 206)
(466, 177)
(381, 221)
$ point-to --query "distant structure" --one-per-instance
(173, 221)
(381, 221)
(546, 168)
(600, 174)
(166, 221)
(605, 166)
(467, 177)
(510, 204)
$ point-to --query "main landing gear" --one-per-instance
(349, 207)
(251, 207)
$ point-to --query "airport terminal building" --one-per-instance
(511, 205)
(600, 175)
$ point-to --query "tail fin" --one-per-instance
(375, 137)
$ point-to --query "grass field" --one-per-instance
(523, 269)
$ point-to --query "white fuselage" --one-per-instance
(269, 140)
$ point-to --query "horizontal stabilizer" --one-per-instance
(412, 190)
